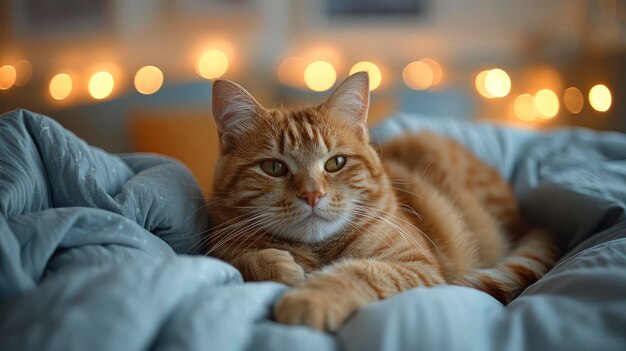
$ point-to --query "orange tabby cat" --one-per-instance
(300, 197)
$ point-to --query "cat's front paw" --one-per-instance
(317, 308)
(277, 265)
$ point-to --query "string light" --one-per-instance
(435, 67)
(524, 107)
(418, 75)
(320, 76)
(148, 80)
(600, 98)
(101, 85)
(480, 84)
(8, 74)
(212, 64)
(497, 83)
(573, 100)
(60, 86)
(546, 103)
(372, 70)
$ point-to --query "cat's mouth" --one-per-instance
(313, 226)
(314, 215)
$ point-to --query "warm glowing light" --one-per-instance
(538, 76)
(212, 64)
(418, 75)
(8, 75)
(291, 71)
(372, 71)
(524, 107)
(480, 84)
(148, 80)
(600, 98)
(101, 85)
(436, 69)
(573, 99)
(497, 83)
(24, 72)
(320, 76)
(546, 103)
(60, 86)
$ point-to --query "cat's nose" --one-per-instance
(311, 197)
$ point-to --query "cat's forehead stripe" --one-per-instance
(292, 134)
(279, 143)
(309, 130)
(299, 130)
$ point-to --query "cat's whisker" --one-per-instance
(214, 229)
(250, 228)
(206, 230)
(404, 207)
(408, 209)
(227, 234)
(393, 222)
(228, 229)
(369, 231)
(407, 191)
(255, 228)
(259, 236)
(426, 169)
(366, 212)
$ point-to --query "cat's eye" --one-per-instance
(335, 163)
(274, 168)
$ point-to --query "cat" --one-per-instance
(302, 198)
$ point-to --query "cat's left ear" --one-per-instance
(234, 109)
(350, 102)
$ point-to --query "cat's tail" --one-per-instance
(532, 256)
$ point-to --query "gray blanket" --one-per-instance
(92, 244)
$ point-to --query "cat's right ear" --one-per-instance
(350, 102)
(233, 109)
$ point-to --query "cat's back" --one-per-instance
(450, 167)
(451, 189)
(435, 157)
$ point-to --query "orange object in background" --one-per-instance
(190, 137)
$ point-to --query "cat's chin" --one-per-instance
(315, 229)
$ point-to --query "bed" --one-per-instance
(104, 252)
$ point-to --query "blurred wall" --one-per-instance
(540, 44)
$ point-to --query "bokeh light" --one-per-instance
(101, 85)
(418, 75)
(524, 107)
(540, 76)
(546, 103)
(212, 64)
(372, 70)
(497, 83)
(600, 98)
(291, 71)
(573, 100)
(480, 84)
(60, 86)
(320, 76)
(8, 74)
(148, 80)
(436, 69)
(24, 72)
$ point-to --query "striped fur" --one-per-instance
(420, 211)
(534, 255)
